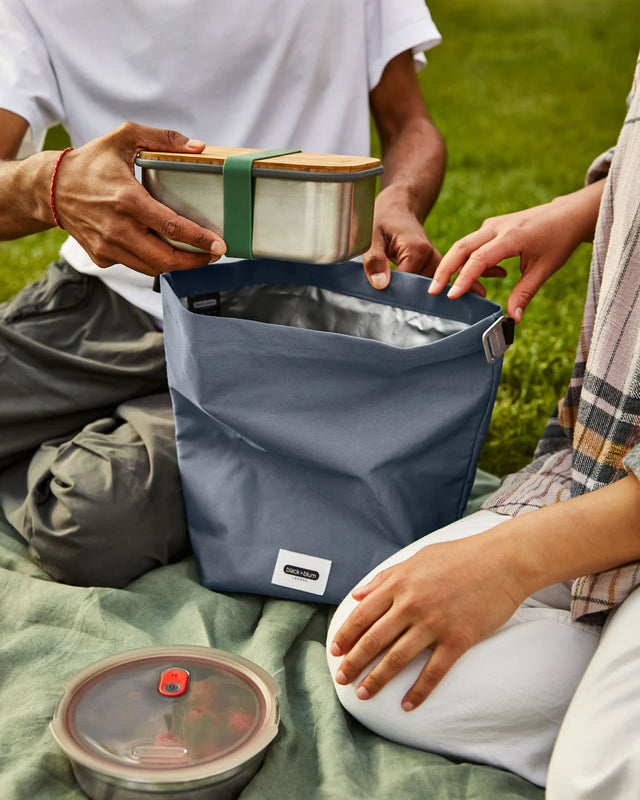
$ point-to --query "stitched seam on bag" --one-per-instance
(483, 426)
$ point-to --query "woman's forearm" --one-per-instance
(543, 237)
(582, 207)
(587, 534)
(450, 595)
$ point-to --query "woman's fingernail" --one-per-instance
(195, 143)
(435, 286)
(218, 248)
(407, 705)
(453, 292)
(379, 280)
(335, 650)
(362, 693)
(341, 677)
(518, 315)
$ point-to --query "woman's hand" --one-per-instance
(103, 206)
(543, 236)
(446, 597)
(450, 595)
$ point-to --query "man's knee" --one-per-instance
(99, 511)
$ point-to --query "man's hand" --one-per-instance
(543, 237)
(399, 237)
(414, 157)
(102, 205)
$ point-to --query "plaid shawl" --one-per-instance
(590, 440)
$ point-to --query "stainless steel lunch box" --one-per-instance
(307, 207)
(164, 722)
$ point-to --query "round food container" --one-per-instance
(186, 722)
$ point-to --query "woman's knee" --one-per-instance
(597, 754)
(501, 704)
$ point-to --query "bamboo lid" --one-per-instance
(300, 162)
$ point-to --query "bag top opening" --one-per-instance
(318, 309)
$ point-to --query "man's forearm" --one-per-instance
(414, 159)
(24, 195)
(414, 164)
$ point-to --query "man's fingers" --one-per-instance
(142, 137)
(162, 257)
(171, 225)
(376, 265)
(419, 256)
(158, 256)
(495, 272)
(111, 214)
(107, 256)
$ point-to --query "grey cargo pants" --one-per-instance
(88, 470)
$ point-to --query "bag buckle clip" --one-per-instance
(498, 337)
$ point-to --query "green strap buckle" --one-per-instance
(237, 187)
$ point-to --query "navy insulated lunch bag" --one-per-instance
(322, 425)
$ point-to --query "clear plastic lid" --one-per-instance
(167, 710)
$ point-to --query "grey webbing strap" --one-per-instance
(498, 337)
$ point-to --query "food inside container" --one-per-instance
(309, 207)
(188, 722)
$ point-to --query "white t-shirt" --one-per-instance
(246, 73)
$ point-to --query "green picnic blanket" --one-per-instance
(49, 631)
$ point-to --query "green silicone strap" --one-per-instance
(237, 186)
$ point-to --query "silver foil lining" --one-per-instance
(319, 309)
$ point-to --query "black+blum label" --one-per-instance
(301, 571)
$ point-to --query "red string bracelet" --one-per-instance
(53, 186)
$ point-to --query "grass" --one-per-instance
(526, 93)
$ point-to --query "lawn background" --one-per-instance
(526, 93)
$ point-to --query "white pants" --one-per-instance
(597, 755)
(503, 702)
